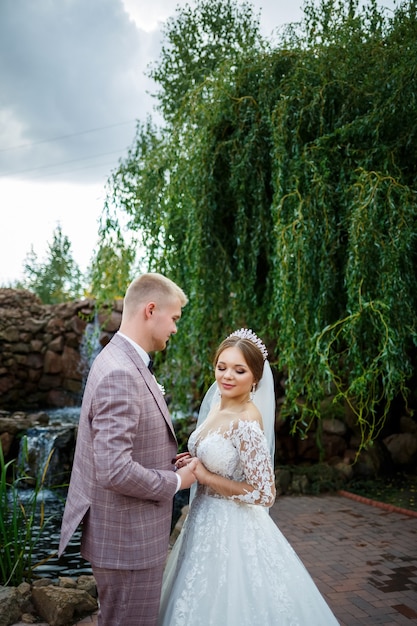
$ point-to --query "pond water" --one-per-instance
(70, 563)
(45, 549)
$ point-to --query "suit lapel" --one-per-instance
(148, 378)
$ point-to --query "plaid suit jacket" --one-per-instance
(122, 483)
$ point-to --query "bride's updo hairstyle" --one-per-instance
(253, 355)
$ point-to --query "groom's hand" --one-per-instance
(186, 474)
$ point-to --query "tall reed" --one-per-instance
(22, 518)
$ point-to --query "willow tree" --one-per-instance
(178, 213)
(345, 212)
(281, 194)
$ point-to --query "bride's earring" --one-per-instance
(252, 393)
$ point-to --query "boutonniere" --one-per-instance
(161, 388)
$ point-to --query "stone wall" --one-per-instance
(42, 366)
(41, 361)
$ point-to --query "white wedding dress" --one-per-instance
(231, 566)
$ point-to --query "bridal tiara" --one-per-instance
(246, 333)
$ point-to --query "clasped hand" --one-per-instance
(185, 464)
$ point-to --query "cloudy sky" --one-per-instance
(73, 84)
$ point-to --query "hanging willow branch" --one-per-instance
(281, 194)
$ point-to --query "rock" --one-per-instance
(110, 320)
(88, 584)
(300, 484)
(334, 445)
(178, 526)
(282, 480)
(334, 427)
(9, 606)
(43, 582)
(56, 605)
(28, 618)
(17, 422)
(67, 582)
(40, 360)
(59, 605)
(344, 469)
(307, 448)
(41, 418)
(374, 461)
(6, 440)
(25, 598)
(402, 448)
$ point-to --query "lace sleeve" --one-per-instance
(256, 464)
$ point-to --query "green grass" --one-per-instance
(399, 490)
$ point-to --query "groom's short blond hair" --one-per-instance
(152, 286)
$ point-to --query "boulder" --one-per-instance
(60, 605)
(402, 448)
(9, 606)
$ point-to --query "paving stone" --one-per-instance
(363, 558)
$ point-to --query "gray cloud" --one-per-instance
(72, 66)
(67, 68)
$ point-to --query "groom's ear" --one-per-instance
(149, 309)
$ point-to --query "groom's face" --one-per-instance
(165, 317)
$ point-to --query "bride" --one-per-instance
(231, 565)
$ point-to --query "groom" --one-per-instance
(122, 482)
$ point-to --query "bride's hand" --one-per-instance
(182, 459)
(201, 473)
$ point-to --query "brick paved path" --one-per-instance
(362, 558)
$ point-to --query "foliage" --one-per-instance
(58, 278)
(13, 284)
(111, 269)
(345, 208)
(195, 43)
(308, 479)
(399, 489)
(21, 522)
(280, 194)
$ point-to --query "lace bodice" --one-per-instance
(239, 452)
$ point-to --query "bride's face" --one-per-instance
(233, 376)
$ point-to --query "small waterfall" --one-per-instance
(46, 538)
(35, 458)
(58, 437)
(90, 347)
(45, 458)
(46, 449)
